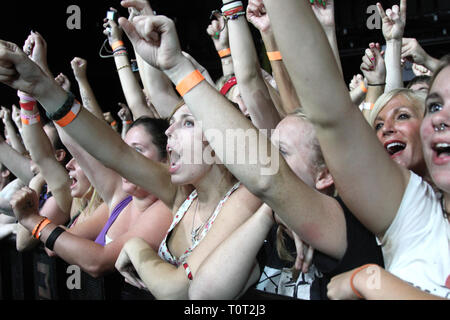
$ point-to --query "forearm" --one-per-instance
(133, 92)
(237, 253)
(373, 93)
(379, 284)
(165, 281)
(431, 63)
(88, 98)
(330, 32)
(288, 95)
(14, 138)
(159, 88)
(394, 75)
(16, 163)
(74, 250)
(249, 78)
(313, 49)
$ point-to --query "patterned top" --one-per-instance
(164, 252)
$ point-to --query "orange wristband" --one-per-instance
(363, 87)
(224, 53)
(189, 82)
(37, 227)
(117, 44)
(45, 223)
(353, 276)
(274, 55)
(70, 116)
(114, 123)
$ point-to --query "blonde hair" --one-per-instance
(416, 98)
(87, 207)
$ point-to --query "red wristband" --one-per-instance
(28, 106)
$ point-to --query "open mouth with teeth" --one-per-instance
(174, 161)
(394, 148)
(74, 181)
(442, 149)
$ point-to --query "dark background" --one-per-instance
(428, 21)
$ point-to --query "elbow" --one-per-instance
(96, 270)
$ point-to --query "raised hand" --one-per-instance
(63, 81)
(356, 81)
(257, 15)
(25, 203)
(394, 21)
(112, 30)
(5, 115)
(155, 40)
(324, 13)
(373, 66)
(18, 71)
(124, 113)
(420, 70)
(15, 115)
(218, 31)
(36, 48)
(142, 7)
(79, 67)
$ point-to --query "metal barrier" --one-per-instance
(34, 275)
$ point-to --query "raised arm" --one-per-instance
(264, 177)
(412, 50)
(16, 162)
(108, 148)
(130, 86)
(218, 31)
(250, 81)
(374, 71)
(257, 15)
(10, 128)
(79, 67)
(394, 21)
(337, 124)
(156, 84)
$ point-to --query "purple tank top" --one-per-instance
(114, 215)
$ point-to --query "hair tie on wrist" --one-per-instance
(376, 84)
(356, 292)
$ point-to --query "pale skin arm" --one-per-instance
(257, 15)
(238, 254)
(316, 218)
(79, 67)
(108, 148)
(156, 84)
(374, 70)
(250, 81)
(394, 21)
(388, 286)
(221, 42)
(16, 162)
(14, 138)
(166, 281)
(340, 123)
(133, 92)
(93, 258)
(411, 50)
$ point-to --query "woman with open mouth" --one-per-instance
(396, 118)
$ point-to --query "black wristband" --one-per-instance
(61, 112)
(53, 236)
(376, 84)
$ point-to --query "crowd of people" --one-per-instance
(347, 197)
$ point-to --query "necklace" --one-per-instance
(194, 233)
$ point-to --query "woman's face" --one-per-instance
(295, 143)
(398, 129)
(435, 131)
(185, 148)
(80, 183)
(139, 139)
